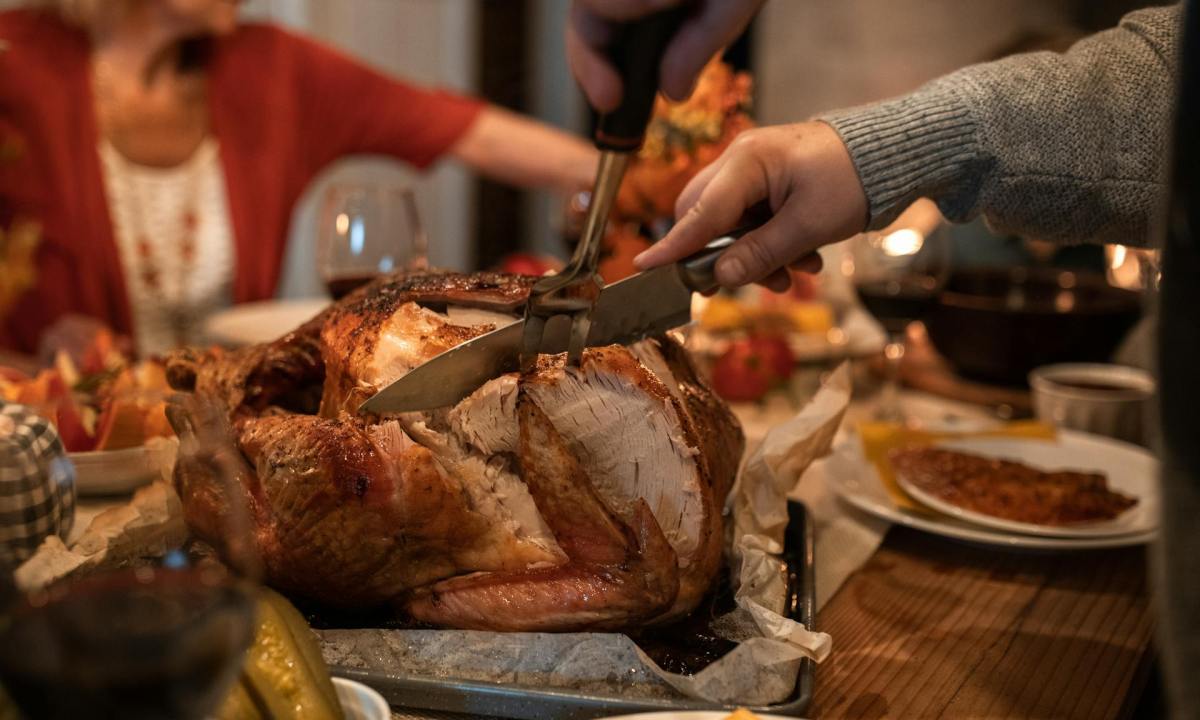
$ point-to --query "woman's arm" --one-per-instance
(516, 150)
(349, 108)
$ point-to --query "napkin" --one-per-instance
(880, 438)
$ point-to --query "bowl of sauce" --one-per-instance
(1103, 399)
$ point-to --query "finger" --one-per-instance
(734, 187)
(599, 79)
(759, 253)
(810, 263)
(691, 192)
(621, 10)
(717, 25)
(778, 281)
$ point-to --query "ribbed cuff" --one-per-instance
(919, 145)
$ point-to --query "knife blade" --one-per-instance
(626, 311)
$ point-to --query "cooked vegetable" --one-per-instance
(283, 676)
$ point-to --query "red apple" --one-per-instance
(740, 374)
(776, 354)
(750, 367)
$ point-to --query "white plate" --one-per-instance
(688, 715)
(259, 322)
(855, 481)
(360, 702)
(113, 472)
(1129, 469)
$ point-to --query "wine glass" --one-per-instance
(366, 230)
(898, 275)
(165, 633)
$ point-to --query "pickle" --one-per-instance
(283, 676)
(306, 643)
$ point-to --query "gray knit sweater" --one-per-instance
(1068, 147)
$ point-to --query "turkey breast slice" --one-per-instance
(627, 430)
(489, 481)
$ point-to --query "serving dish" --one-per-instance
(997, 324)
(258, 322)
(113, 472)
(360, 702)
(1129, 470)
(510, 700)
(853, 479)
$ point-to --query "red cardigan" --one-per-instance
(283, 107)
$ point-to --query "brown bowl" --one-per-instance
(997, 324)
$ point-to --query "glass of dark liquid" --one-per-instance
(163, 635)
(898, 275)
(367, 230)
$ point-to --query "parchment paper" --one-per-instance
(761, 670)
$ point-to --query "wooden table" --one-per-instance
(934, 629)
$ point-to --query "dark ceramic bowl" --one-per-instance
(997, 324)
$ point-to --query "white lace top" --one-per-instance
(175, 240)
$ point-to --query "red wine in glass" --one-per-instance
(342, 285)
(366, 230)
(137, 643)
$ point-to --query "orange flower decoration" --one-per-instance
(683, 138)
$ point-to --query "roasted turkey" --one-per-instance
(563, 499)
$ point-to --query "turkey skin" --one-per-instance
(564, 498)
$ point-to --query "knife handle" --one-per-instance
(698, 271)
(636, 51)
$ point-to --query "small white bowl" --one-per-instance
(360, 702)
(1109, 400)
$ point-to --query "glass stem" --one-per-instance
(889, 397)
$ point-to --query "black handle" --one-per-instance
(698, 271)
(636, 50)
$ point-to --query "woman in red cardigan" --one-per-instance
(161, 145)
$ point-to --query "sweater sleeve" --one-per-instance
(1067, 147)
(349, 108)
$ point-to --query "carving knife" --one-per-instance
(626, 311)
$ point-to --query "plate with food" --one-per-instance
(110, 414)
(1078, 487)
(1129, 470)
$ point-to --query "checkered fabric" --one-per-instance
(37, 483)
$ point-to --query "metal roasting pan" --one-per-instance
(531, 703)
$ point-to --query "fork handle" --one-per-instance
(636, 50)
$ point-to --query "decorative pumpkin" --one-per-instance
(37, 483)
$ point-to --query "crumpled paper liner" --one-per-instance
(761, 670)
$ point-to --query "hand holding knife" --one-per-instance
(646, 304)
